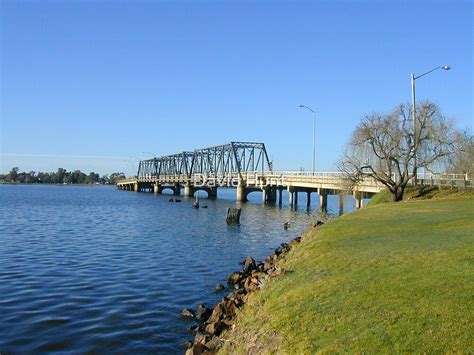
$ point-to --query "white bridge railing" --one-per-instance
(287, 178)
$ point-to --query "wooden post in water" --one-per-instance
(233, 215)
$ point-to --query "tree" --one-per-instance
(12, 176)
(462, 161)
(385, 148)
(116, 176)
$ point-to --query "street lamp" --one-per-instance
(413, 78)
(314, 134)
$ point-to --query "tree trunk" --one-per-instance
(397, 194)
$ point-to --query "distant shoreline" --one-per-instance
(52, 184)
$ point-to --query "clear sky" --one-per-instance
(97, 85)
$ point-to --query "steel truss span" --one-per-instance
(219, 160)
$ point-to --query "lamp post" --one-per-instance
(413, 109)
(314, 134)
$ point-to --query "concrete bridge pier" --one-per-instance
(280, 196)
(308, 198)
(291, 197)
(176, 190)
(268, 194)
(296, 198)
(358, 198)
(157, 188)
(323, 199)
(188, 190)
(241, 192)
(212, 192)
(341, 204)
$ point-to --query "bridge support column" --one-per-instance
(136, 187)
(212, 192)
(157, 189)
(188, 190)
(176, 190)
(291, 196)
(241, 192)
(358, 198)
(268, 194)
(272, 196)
(323, 199)
(308, 198)
(341, 204)
(280, 196)
(296, 198)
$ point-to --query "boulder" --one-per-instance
(216, 328)
(318, 223)
(249, 264)
(203, 313)
(214, 344)
(195, 329)
(283, 248)
(197, 349)
(228, 308)
(220, 288)
(235, 277)
(295, 241)
(201, 338)
(216, 314)
(187, 313)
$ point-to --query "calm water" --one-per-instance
(96, 269)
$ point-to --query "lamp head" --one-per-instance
(445, 67)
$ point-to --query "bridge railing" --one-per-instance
(283, 178)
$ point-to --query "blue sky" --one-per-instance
(96, 85)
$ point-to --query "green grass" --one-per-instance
(396, 277)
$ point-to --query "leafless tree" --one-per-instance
(462, 161)
(384, 146)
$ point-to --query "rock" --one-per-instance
(216, 314)
(195, 329)
(267, 266)
(203, 313)
(249, 264)
(177, 200)
(234, 277)
(295, 241)
(220, 288)
(170, 200)
(228, 308)
(318, 223)
(250, 285)
(214, 344)
(187, 313)
(283, 248)
(188, 344)
(201, 338)
(197, 349)
(216, 328)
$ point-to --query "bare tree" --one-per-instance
(384, 147)
(462, 161)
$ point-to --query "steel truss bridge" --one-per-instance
(245, 166)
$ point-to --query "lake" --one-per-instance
(93, 269)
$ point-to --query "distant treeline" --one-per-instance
(62, 176)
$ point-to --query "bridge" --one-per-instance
(245, 167)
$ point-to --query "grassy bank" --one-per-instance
(395, 277)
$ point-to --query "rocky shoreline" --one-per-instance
(211, 322)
